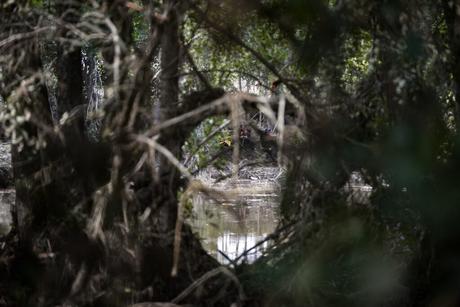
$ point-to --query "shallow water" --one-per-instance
(236, 224)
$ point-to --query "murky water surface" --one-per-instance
(234, 224)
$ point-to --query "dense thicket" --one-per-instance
(100, 98)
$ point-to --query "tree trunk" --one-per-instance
(27, 161)
(169, 97)
(165, 255)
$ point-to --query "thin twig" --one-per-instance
(206, 277)
(268, 238)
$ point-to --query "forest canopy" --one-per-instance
(112, 110)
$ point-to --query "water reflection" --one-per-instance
(229, 229)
